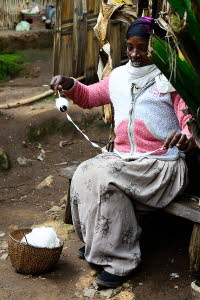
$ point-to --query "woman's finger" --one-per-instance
(53, 80)
(56, 88)
(168, 140)
(175, 139)
(184, 146)
(183, 139)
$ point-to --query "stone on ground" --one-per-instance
(24, 162)
(48, 182)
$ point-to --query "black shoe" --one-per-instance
(81, 252)
(110, 280)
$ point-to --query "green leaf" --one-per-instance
(180, 6)
(184, 79)
(10, 65)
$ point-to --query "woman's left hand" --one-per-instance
(181, 141)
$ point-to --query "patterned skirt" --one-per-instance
(106, 191)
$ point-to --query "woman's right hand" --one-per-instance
(60, 82)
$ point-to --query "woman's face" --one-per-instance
(137, 50)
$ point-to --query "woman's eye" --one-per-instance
(144, 49)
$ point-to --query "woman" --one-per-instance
(147, 168)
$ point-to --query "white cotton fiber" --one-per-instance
(62, 104)
(42, 237)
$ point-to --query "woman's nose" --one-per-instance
(135, 54)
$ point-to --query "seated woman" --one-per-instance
(147, 167)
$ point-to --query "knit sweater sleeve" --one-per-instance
(179, 105)
(93, 95)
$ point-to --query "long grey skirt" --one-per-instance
(105, 192)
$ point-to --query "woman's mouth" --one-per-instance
(136, 63)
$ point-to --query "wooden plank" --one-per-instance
(67, 26)
(93, 7)
(184, 208)
(194, 250)
(114, 37)
(79, 37)
(67, 9)
(124, 28)
(57, 39)
(92, 56)
(68, 215)
(66, 56)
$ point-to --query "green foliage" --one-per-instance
(183, 77)
(183, 74)
(180, 6)
(177, 24)
(10, 65)
(186, 26)
(25, 74)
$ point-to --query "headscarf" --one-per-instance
(144, 27)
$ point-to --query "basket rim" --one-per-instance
(30, 229)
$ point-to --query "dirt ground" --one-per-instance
(37, 128)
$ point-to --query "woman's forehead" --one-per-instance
(137, 40)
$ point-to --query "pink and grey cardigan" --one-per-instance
(142, 120)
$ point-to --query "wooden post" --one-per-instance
(57, 38)
(115, 42)
(79, 37)
(194, 250)
(159, 6)
(146, 12)
(92, 56)
(142, 4)
(68, 215)
(156, 7)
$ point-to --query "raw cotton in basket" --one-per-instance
(42, 237)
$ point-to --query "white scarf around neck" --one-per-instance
(143, 75)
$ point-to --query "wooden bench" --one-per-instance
(186, 207)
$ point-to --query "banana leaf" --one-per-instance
(186, 26)
(181, 75)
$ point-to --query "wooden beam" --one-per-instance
(185, 208)
(194, 250)
(79, 37)
(68, 215)
(142, 4)
(57, 39)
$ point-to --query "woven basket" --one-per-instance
(27, 259)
